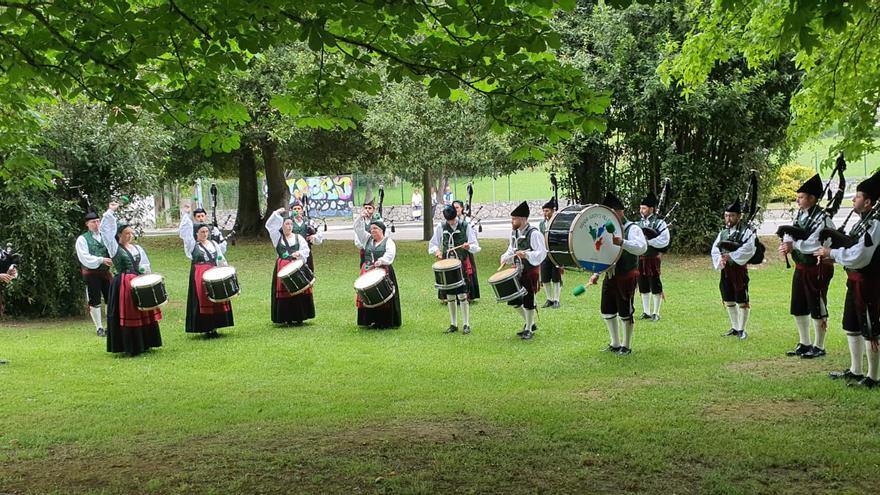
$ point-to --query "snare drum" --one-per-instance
(580, 237)
(374, 288)
(221, 283)
(448, 274)
(506, 285)
(148, 291)
(296, 277)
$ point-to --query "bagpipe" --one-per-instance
(745, 223)
(380, 209)
(9, 258)
(666, 216)
(224, 234)
(312, 223)
(469, 205)
(841, 240)
(819, 215)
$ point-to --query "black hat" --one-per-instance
(734, 207)
(295, 202)
(90, 216)
(199, 210)
(521, 211)
(650, 200)
(449, 212)
(458, 202)
(199, 226)
(377, 221)
(369, 203)
(551, 205)
(612, 201)
(121, 226)
(870, 187)
(812, 186)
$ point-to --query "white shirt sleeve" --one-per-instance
(539, 250)
(318, 238)
(662, 239)
(217, 233)
(360, 235)
(507, 257)
(186, 233)
(304, 250)
(716, 253)
(742, 255)
(859, 255)
(273, 226)
(635, 242)
(108, 232)
(811, 243)
(472, 240)
(145, 262)
(390, 253)
(436, 240)
(82, 253)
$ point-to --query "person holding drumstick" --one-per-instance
(290, 246)
(455, 238)
(527, 250)
(379, 253)
(202, 314)
(129, 329)
(619, 285)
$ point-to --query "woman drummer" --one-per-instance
(287, 308)
(202, 314)
(379, 253)
(129, 329)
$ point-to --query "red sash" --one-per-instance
(649, 266)
(129, 314)
(96, 273)
(206, 306)
(736, 274)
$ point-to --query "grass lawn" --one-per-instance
(328, 407)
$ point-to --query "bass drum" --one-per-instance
(580, 237)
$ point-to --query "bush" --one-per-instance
(787, 183)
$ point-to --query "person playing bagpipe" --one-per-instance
(129, 329)
(216, 235)
(619, 285)
(861, 310)
(650, 285)
(290, 246)
(303, 228)
(528, 250)
(379, 252)
(95, 266)
(551, 275)
(734, 284)
(362, 228)
(454, 238)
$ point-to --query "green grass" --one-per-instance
(328, 407)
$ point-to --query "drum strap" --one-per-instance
(211, 257)
(134, 259)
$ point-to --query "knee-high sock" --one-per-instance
(743, 317)
(821, 327)
(732, 314)
(548, 291)
(856, 351)
(873, 361)
(658, 298)
(557, 290)
(95, 311)
(450, 303)
(531, 316)
(628, 326)
(465, 307)
(522, 312)
(613, 334)
(802, 322)
(646, 303)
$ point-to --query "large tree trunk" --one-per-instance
(247, 220)
(279, 194)
(427, 219)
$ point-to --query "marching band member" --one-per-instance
(95, 266)
(216, 235)
(619, 285)
(455, 233)
(202, 315)
(362, 228)
(301, 228)
(809, 283)
(861, 310)
(527, 249)
(129, 329)
(379, 252)
(650, 285)
(287, 308)
(551, 275)
(8, 273)
(734, 284)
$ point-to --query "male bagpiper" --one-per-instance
(809, 283)
(551, 275)
(861, 311)
(454, 238)
(362, 228)
(95, 263)
(527, 249)
(619, 285)
(734, 284)
(301, 227)
(650, 286)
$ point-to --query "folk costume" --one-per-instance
(287, 308)
(650, 285)
(91, 252)
(129, 329)
(734, 283)
(381, 256)
(527, 239)
(473, 284)
(445, 238)
(303, 229)
(203, 315)
(551, 275)
(619, 284)
(362, 232)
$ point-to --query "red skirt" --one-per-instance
(129, 314)
(281, 291)
(206, 306)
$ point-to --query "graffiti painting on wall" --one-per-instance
(329, 195)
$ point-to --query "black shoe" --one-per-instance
(555, 304)
(548, 304)
(814, 353)
(656, 317)
(731, 333)
(611, 348)
(534, 327)
(101, 332)
(466, 330)
(866, 382)
(521, 332)
(451, 329)
(846, 375)
(3, 361)
(800, 350)
(624, 350)
(646, 316)
(742, 335)
(527, 335)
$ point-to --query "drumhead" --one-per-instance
(147, 280)
(290, 268)
(447, 264)
(219, 273)
(590, 240)
(370, 278)
(502, 275)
